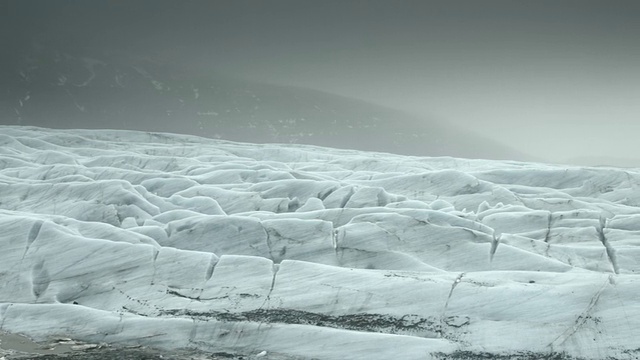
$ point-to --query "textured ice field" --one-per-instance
(303, 252)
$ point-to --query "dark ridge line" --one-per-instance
(375, 323)
(521, 355)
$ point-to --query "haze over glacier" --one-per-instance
(97, 89)
(557, 80)
(298, 252)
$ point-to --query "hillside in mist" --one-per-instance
(55, 89)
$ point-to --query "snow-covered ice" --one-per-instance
(176, 241)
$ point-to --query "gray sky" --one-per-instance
(558, 79)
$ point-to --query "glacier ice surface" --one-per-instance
(179, 242)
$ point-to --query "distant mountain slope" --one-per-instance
(58, 90)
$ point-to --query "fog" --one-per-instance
(556, 80)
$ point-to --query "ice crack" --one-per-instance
(611, 252)
(583, 317)
(273, 283)
(453, 286)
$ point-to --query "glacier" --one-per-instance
(272, 251)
